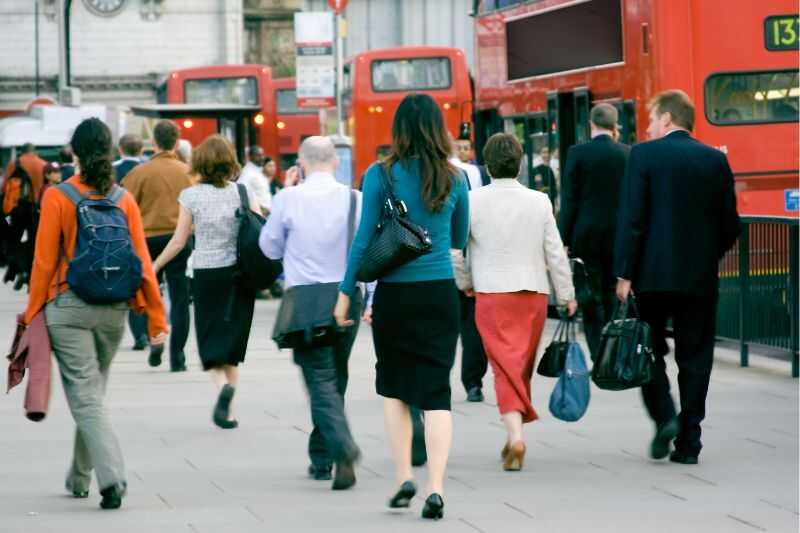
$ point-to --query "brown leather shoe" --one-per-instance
(515, 457)
(504, 452)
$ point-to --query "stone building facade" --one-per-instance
(119, 58)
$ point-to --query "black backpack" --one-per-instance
(104, 268)
(254, 271)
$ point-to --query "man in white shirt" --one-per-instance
(473, 357)
(254, 179)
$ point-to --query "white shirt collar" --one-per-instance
(599, 133)
(319, 177)
(673, 130)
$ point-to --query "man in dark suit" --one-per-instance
(677, 219)
(590, 195)
(130, 152)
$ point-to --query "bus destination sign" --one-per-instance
(782, 32)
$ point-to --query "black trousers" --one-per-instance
(693, 322)
(473, 357)
(598, 314)
(325, 374)
(179, 294)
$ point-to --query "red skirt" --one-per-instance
(511, 327)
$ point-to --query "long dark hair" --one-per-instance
(91, 142)
(418, 132)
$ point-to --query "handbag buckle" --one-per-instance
(401, 208)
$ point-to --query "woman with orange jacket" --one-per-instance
(85, 336)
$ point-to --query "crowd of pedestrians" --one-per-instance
(494, 253)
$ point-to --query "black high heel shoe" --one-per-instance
(434, 507)
(403, 497)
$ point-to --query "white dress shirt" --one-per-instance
(257, 184)
(473, 172)
(308, 228)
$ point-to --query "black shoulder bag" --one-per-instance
(397, 240)
(305, 318)
(625, 357)
(555, 355)
(254, 271)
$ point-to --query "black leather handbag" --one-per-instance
(397, 240)
(254, 271)
(626, 358)
(555, 355)
(305, 318)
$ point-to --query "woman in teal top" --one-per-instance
(415, 313)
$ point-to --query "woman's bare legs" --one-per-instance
(438, 439)
(397, 418)
(513, 422)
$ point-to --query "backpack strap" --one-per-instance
(71, 192)
(115, 194)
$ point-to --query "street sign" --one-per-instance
(315, 63)
(338, 5)
(792, 199)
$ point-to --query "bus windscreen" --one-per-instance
(579, 36)
(421, 74)
(243, 91)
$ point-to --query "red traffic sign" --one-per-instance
(338, 5)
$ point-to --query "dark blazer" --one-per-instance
(590, 187)
(677, 215)
(123, 167)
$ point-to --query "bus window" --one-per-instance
(411, 74)
(752, 97)
(243, 91)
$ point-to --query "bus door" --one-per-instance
(487, 123)
(568, 124)
(239, 132)
(627, 121)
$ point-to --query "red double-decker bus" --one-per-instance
(294, 124)
(376, 82)
(541, 65)
(250, 85)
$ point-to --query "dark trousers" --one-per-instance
(179, 289)
(597, 314)
(473, 356)
(693, 323)
(325, 374)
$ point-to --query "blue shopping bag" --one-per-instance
(570, 397)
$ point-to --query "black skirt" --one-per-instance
(223, 315)
(415, 330)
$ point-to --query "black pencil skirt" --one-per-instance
(415, 331)
(223, 315)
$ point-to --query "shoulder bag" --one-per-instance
(555, 355)
(397, 240)
(254, 271)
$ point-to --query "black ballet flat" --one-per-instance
(434, 507)
(404, 495)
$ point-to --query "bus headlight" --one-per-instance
(281, 125)
(258, 119)
(188, 123)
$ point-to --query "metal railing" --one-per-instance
(758, 300)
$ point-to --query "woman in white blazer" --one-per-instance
(513, 242)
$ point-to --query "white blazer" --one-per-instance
(514, 240)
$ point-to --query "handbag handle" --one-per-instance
(392, 203)
(622, 309)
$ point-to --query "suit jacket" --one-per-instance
(514, 242)
(677, 215)
(590, 188)
(122, 168)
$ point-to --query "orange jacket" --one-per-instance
(34, 166)
(58, 221)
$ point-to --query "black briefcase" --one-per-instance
(625, 358)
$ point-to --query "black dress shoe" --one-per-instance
(345, 476)
(475, 394)
(665, 433)
(403, 497)
(222, 408)
(434, 507)
(155, 355)
(76, 493)
(112, 496)
(141, 343)
(682, 458)
(320, 473)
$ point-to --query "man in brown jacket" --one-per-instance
(156, 185)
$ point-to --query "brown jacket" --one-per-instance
(156, 185)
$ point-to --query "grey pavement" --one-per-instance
(186, 476)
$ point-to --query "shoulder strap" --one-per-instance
(115, 194)
(386, 182)
(71, 192)
(245, 200)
